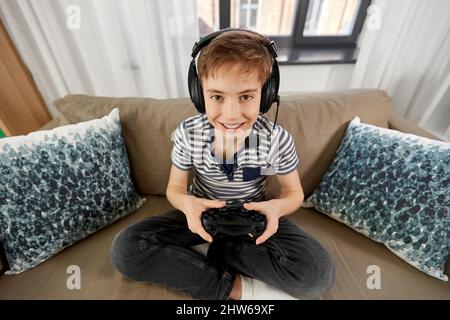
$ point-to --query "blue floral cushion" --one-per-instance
(61, 185)
(395, 189)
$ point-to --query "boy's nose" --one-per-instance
(231, 111)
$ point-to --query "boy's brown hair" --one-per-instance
(246, 48)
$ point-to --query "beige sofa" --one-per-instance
(316, 120)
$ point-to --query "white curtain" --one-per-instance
(104, 47)
(405, 50)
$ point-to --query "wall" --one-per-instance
(323, 77)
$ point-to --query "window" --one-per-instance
(247, 12)
(330, 18)
(330, 22)
(270, 17)
(267, 17)
(293, 24)
(208, 16)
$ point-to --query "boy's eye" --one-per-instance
(217, 98)
(246, 97)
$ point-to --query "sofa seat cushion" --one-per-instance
(316, 120)
(352, 253)
(356, 256)
(99, 278)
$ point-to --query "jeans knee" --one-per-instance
(316, 279)
(128, 243)
(128, 249)
(325, 279)
(119, 244)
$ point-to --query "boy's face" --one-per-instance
(232, 100)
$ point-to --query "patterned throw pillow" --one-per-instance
(59, 186)
(395, 189)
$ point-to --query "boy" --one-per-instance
(236, 71)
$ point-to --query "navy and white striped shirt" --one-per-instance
(242, 177)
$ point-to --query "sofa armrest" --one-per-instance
(400, 123)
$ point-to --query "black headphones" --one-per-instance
(269, 92)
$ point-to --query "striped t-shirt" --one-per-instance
(242, 177)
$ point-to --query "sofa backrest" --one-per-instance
(317, 121)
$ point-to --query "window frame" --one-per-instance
(297, 39)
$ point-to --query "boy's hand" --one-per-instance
(272, 214)
(193, 209)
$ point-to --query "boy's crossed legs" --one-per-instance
(158, 249)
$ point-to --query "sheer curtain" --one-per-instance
(407, 53)
(104, 47)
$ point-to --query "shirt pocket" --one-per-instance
(251, 173)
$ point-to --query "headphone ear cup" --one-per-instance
(195, 89)
(201, 100)
(269, 91)
(264, 97)
(268, 95)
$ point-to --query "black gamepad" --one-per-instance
(234, 221)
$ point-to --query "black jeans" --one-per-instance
(158, 250)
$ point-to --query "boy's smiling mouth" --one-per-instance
(231, 126)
